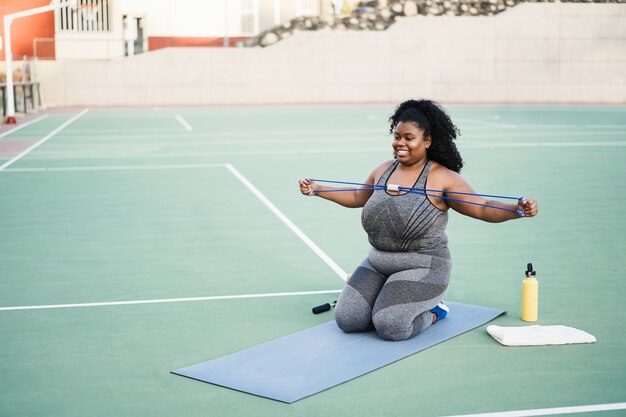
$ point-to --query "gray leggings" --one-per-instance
(393, 293)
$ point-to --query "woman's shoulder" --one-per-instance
(439, 168)
(384, 165)
(444, 178)
(442, 173)
(380, 170)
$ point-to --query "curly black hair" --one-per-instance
(436, 123)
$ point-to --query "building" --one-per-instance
(106, 29)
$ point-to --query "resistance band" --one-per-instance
(420, 191)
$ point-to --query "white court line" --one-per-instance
(183, 122)
(30, 122)
(168, 300)
(201, 139)
(461, 144)
(149, 133)
(605, 126)
(319, 252)
(551, 411)
(486, 123)
(117, 168)
(545, 144)
(239, 176)
(316, 249)
(519, 134)
(41, 141)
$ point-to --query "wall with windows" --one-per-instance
(106, 29)
(206, 22)
(91, 30)
(188, 22)
(135, 26)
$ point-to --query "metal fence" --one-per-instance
(85, 16)
(259, 15)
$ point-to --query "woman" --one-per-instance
(397, 290)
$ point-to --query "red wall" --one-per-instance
(159, 42)
(25, 29)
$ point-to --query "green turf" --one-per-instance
(91, 236)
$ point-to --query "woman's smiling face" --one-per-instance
(409, 145)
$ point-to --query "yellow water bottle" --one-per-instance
(530, 295)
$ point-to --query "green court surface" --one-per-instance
(129, 235)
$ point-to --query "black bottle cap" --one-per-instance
(529, 270)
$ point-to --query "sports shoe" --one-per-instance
(441, 311)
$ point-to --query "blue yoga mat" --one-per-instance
(310, 361)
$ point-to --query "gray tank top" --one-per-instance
(405, 222)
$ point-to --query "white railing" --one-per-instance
(259, 15)
(84, 16)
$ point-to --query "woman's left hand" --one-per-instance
(528, 206)
(307, 187)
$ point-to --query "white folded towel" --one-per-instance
(538, 335)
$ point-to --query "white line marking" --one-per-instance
(543, 144)
(168, 300)
(41, 141)
(149, 133)
(128, 143)
(117, 168)
(30, 122)
(532, 127)
(604, 126)
(551, 411)
(486, 123)
(466, 145)
(110, 155)
(319, 252)
(505, 136)
(543, 133)
(184, 122)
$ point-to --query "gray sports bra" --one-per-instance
(405, 222)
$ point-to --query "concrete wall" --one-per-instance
(533, 53)
(88, 46)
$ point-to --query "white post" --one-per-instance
(226, 17)
(298, 8)
(256, 17)
(9, 61)
(277, 12)
(8, 20)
